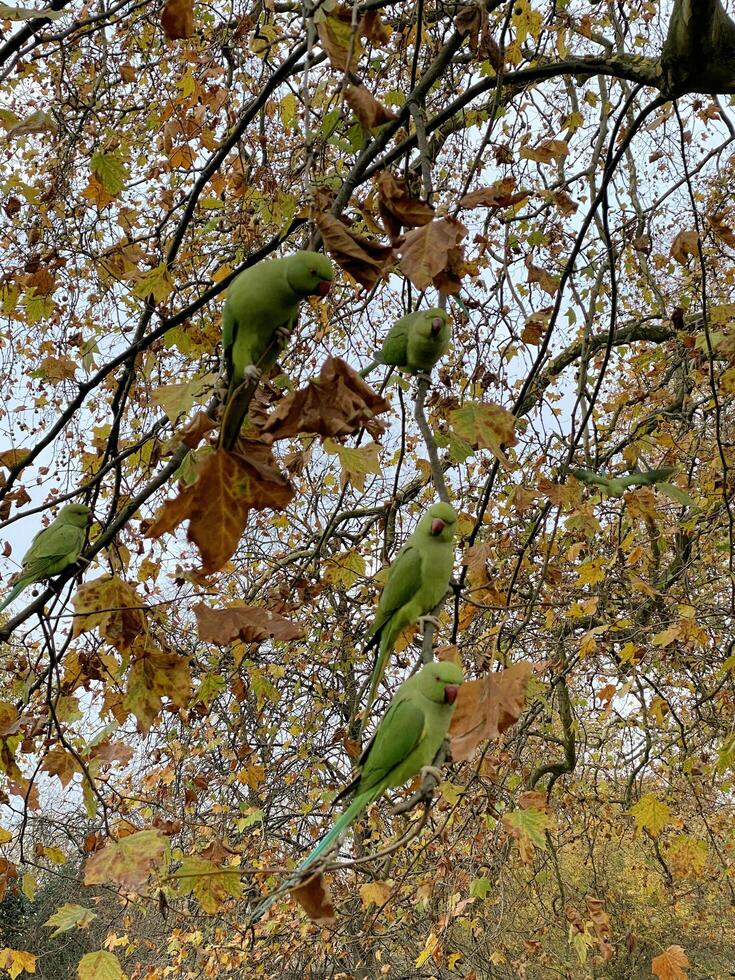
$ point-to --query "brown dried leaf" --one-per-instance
(228, 487)
(684, 245)
(59, 762)
(565, 203)
(548, 283)
(365, 259)
(426, 251)
(12, 457)
(486, 707)
(373, 28)
(253, 624)
(671, 964)
(498, 195)
(367, 108)
(398, 208)
(473, 21)
(112, 606)
(339, 403)
(177, 19)
(546, 151)
(721, 230)
(315, 900)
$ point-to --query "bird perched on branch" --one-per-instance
(406, 743)
(616, 486)
(418, 579)
(53, 549)
(260, 313)
(417, 341)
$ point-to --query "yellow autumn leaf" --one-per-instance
(651, 814)
(16, 961)
(432, 943)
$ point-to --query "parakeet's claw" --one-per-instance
(431, 771)
(422, 620)
(282, 335)
(423, 376)
(252, 374)
(220, 393)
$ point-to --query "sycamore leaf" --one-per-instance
(252, 624)
(430, 947)
(485, 426)
(156, 283)
(110, 171)
(153, 676)
(487, 707)
(68, 917)
(398, 208)
(177, 19)
(100, 965)
(336, 36)
(129, 861)
(37, 122)
(375, 893)
(684, 245)
(546, 151)
(671, 964)
(228, 486)
(345, 568)
(427, 251)
(367, 260)
(356, 461)
(480, 887)
(528, 828)
(59, 762)
(15, 961)
(650, 814)
(210, 884)
(113, 607)
(177, 399)
(337, 404)
(315, 899)
(501, 194)
(366, 107)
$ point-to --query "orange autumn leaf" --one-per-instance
(177, 19)
(486, 707)
(365, 259)
(252, 624)
(671, 964)
(315, 899)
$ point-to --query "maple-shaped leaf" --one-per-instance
(398, 207)
(487, 707)
(366, 259)
(129, 861)
(372, 27)
(210, 884)
(367, 108)
(156, 283)
(687, 856)
(100, 965)
(315, 899)
(110, 171)
(375, 893)
(338, 403)
(8, 873)
(13, 457)
(59, 762)
(177, 19)
(501, 194)
(227, 487)
(252, 624)
(9, 719)
(16, 961)
(337, 36)
(356, 461)
(650, 814)
(485, 425)
(425, 251)
(153, 676)
(68, 917)
(671, 964)
(113, 607)
(549, 283)
(528, 828)
(547, 151)
(177, 399)
(111, 753)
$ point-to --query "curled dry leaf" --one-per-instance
(684, 245)
(114, 608)
(536, 273)
(498, 195)
(546, 151)
(398, 208)
(485, 425)
(425, 252)
(339, 403)
(252, 624)
(314, 898)
(365, 259)
(474, 23)
(177, 19)
(335, 36)
(228, 486)
(486, 707)
(373, 28)
(367, 108)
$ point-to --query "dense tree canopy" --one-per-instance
(179, 708)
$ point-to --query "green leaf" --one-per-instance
(99, 966)
(68, 917)
(110, 171)
(531, 822)
(211, 885)
(650, 814)
(480, 887)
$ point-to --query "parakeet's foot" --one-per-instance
(423, 376)
(282, 335)
(220, 393)
(431, 771)
(251, 374)
(422, 620)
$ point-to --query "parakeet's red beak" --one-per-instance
(323, 287)
(450, 693)
(436, 325)
(437, 526)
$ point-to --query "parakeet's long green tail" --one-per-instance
(14, 592)
(381, 658)
(341, 824)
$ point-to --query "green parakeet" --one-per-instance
(616, 486)
(417, 341)
(53, 548)
(407, 739)
(418, 579)
(260, 313)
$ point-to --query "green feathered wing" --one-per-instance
(51, 551)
